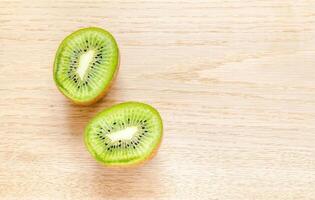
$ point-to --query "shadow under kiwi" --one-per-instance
(78, 116)
(136, 182)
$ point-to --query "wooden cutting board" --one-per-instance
(234, 81)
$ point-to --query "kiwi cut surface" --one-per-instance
(85, 65)
(125, 134)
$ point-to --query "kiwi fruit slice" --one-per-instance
(85, 65)
(124, 134)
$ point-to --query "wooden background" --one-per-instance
(234, 81)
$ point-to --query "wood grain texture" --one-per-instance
(234, 81)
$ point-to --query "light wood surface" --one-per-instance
(234, 81)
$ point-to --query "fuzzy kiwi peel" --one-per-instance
(86, 64)
(124, 135)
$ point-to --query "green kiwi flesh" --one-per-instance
(125, 134)
(85, 64)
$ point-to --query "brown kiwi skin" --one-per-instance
(150, 157)
(101, 95)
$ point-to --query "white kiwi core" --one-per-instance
(84, 62)
(124, 134)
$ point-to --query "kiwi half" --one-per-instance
(85, 65)
(125, 134)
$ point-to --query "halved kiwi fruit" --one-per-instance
(125, 134)
(85, 65)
